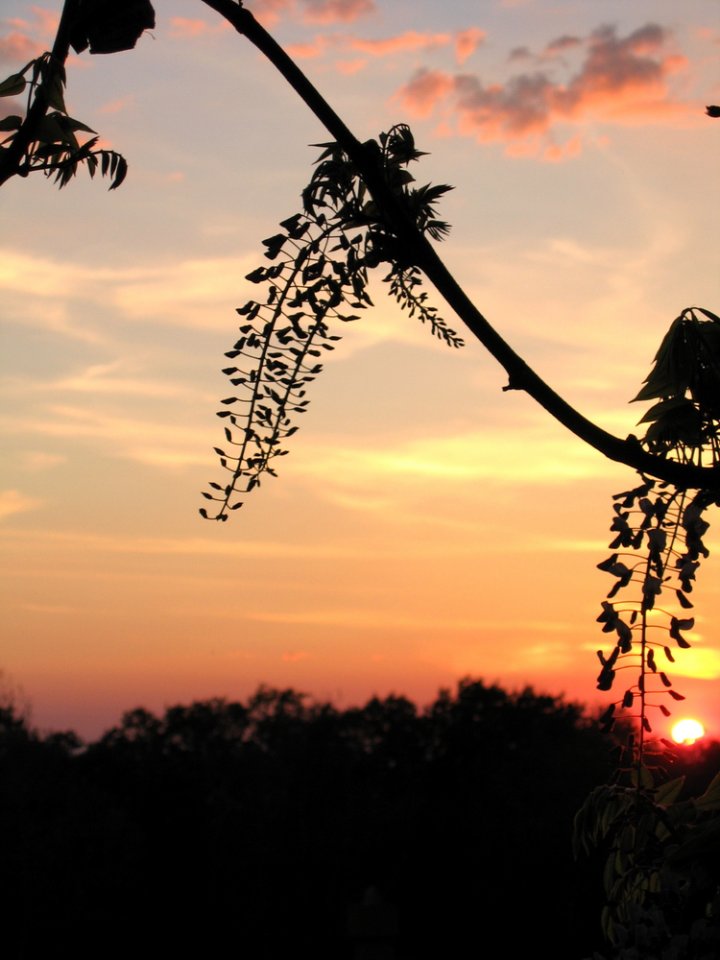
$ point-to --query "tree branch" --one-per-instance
(521, 376)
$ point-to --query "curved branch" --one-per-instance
(521, 376)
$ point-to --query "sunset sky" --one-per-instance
(426, 525)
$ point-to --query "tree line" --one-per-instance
(281, 827)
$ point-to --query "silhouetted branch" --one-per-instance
(521, 377)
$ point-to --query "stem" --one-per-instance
(642, 687)
(521, 376)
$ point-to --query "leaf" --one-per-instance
(676, 626)
(257, 275)
(274, 245)
(11, 123)
(77, 125)
(710, 799)
(13, 85)
(684, 602)
(670, 791)
(672, 405)
(709, 314)
(118, 168)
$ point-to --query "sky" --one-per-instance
(426, 525)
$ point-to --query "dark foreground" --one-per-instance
(258, 830)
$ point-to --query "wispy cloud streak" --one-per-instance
(463, 42)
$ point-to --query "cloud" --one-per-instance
(561, 44)
(197, 293)
(81, 542)
(186, 28)
(18, 47)
(154, 443)
(467, 42)
(270, 12)
(12, 501)
(519, 53)
(336, 11)
(410, 40)
(28, 38)
(464, 42)
(200, 294)
(532, 455)
(701, 664)
(349, 67)
(102, 379)
(118, 105)
(618, 80)
(309, 51)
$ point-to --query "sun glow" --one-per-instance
(687, 731)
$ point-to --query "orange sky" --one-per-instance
(426, 525)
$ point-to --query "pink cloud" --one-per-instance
(410, 40)
(555, 153)
(336, 11)
(28, 38)
(186, 28)
(308, 51)
(349, 67)
(619, 79)
(47, 20)
(269, 12)
(182, 27)
(467, 42)
(118, 105)
(426, 90)
(16, 47)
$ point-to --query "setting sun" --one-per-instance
(687, 731)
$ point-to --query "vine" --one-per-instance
(659, 528)
(318, 279)
(661, 885)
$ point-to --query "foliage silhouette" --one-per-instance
(318, 278)
(659, 525)
(661, 894)
(254, 826)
